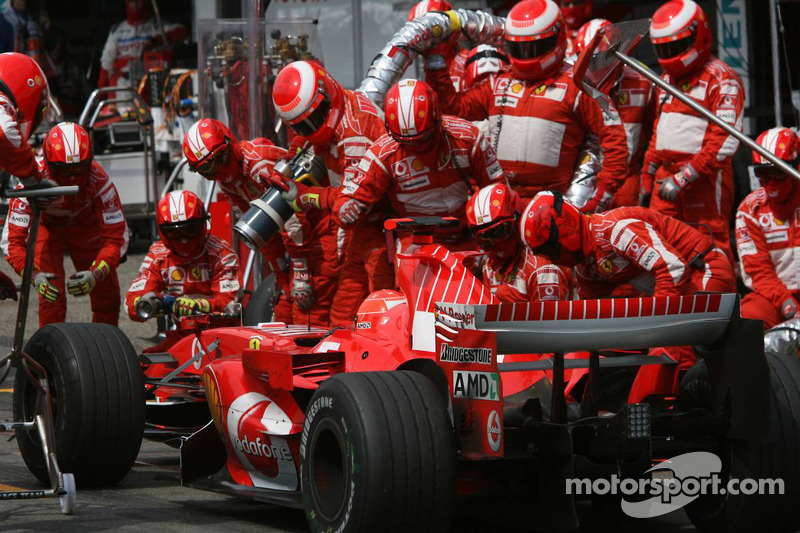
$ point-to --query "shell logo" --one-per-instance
(213, 398)
(417, 165)
(177, 274)
(517, 87)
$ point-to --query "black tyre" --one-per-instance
(260, 307)
(777, 457)
(98, 397)
(378, 454)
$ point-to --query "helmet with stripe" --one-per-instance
(782, 142)
(552, 227)
(211, 149)
(68, 152)
(309, 100)
(681, 35)
(483, 61)
(492, 215)
(426, 6)
(181, 219)
(412, 114)
(536, 38)
(587, 33)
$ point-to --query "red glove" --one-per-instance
(599, 202)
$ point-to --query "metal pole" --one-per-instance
(27, 273)
(358, 44)
(776, 62)
(158, 21)
(172, 177)
(650, 75)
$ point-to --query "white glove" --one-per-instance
(41, 282)
(81, 283)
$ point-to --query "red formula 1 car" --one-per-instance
(430, 406)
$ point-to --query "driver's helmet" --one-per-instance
(551, 227)
(309, 100)
(536, 38)
(587, 33)
(182, 223)
(681, 35)
(412, 114)
(212, 150)
(25, 86)
(68, 154)
(483, 61)
(492, 217)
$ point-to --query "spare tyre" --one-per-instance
(98, 402)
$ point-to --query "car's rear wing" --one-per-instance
(471, 341)
(586, 325)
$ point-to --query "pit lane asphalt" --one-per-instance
(150, 497)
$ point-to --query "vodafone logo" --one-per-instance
(494, 431)
(255, 424)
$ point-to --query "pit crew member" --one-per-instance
(768, 234)
(655, 253)
(129, 39)
(331, 269)
(200, 270)
(689, 157)
(426, 165)
(24, 97)
(634, 99)
(484, 62)
(236, 166)
(509, 269)
(537, 115)
(90, 226)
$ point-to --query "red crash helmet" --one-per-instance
(482, 61)
(551, 227)
(68, 152)
(536, 38)
(576, 12)
(426, 6)
(587, 33)
(308, 99)
(181, 219)
(785, 144)
(681, 36)
(25, 85)
(211, 149)
(412, 114)
(492, 215)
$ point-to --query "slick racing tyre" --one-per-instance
(260, 307)
(98, 395)
(776, 457)
(378, 454)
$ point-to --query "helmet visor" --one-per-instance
(490, 236)
(315, 120)
(182, 232)
(674, 48)
(69, 169)
(209, 165)
(532, 49)
(768, 173)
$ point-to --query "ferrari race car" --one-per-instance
(439, 401)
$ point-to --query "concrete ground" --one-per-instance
(150, 497)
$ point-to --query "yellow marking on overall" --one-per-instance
(6, 390)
